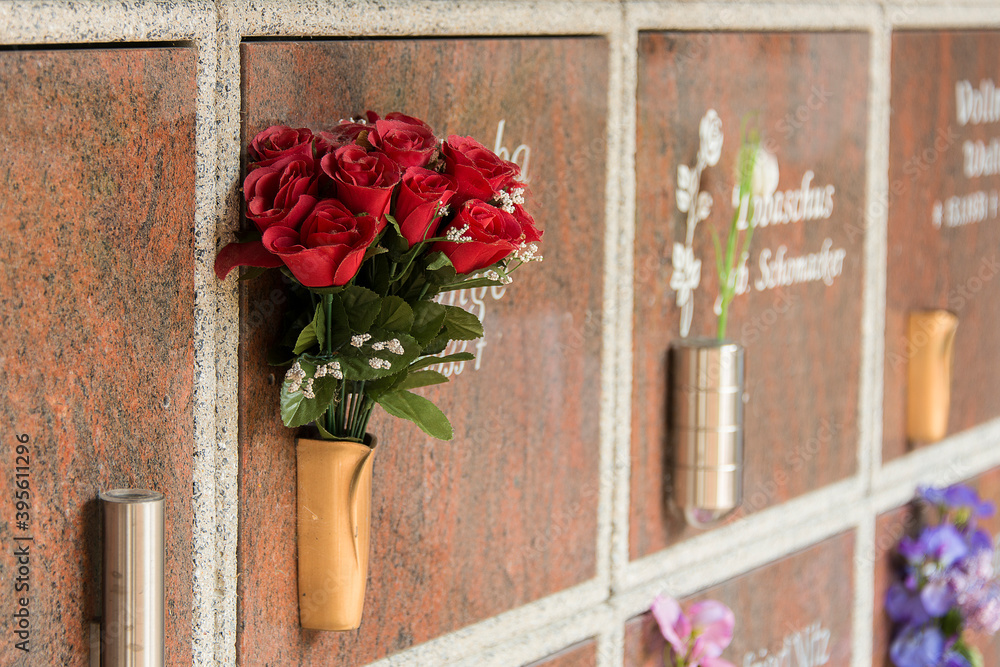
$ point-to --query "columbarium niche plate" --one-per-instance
(799, 294)
(944, 217)
(795, 611)
(505, 513)
(96, 310)
(889, 528)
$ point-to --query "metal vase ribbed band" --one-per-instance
(706, 424)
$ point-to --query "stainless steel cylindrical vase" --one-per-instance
(706, 425)
(132, 632)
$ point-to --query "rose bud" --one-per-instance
(329, 247)
(466, 159)
(408, 141)
(481, 236)
(276, 140)
(421, 193)
(281, 191)
(364, 181)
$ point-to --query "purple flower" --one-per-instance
(942, 544)
(954, 659)
(904, 607)
(917, 647)
(962, 500)
(937, 597)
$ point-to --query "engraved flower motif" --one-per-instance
(687, 273)
(710, 134)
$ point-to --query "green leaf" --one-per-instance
(383, 385)
(361, 306)
(319, 325)
(307, 337)
(340, 328)
(419, 410)
(439, 261)
(395, 225)
(439, 269)
(471, 284)
(323, 433)
(421, 379)
(436, 346)
(430, 361)
(326, 290)
(396, 315)
(428, 318)
(296, 409)
(355, 362)
(373, 250)
(460, 324)
(393, 240)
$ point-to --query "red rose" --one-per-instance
(492, 235)
(281, 190)
(328, 249)
(346, 132)
(364, 180)
(409, 141)
(277, 140)
(479, 171)
(531, 233)
(421, 193)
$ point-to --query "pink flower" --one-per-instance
(699, 637)
(712, 626)
(674, 625)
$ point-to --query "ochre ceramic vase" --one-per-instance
(931, 343)
(334, 521)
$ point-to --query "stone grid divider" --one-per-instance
(622, 589)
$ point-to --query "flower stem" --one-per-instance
(328, 312)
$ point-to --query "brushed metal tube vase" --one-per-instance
(334, 521)
(706, 427)
(133, 555)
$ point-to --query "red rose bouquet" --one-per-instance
(371, 221)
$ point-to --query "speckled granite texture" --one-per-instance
(96, 310)
(524, 541)
(506, 512)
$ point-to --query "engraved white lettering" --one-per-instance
(809, 647)
(977, 106)
(777, 269)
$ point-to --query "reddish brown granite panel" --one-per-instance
(583, 654)
(794, 611)
(908, 520)
(950, 260)
(806, 93)
(96, 310)
(506, 512)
